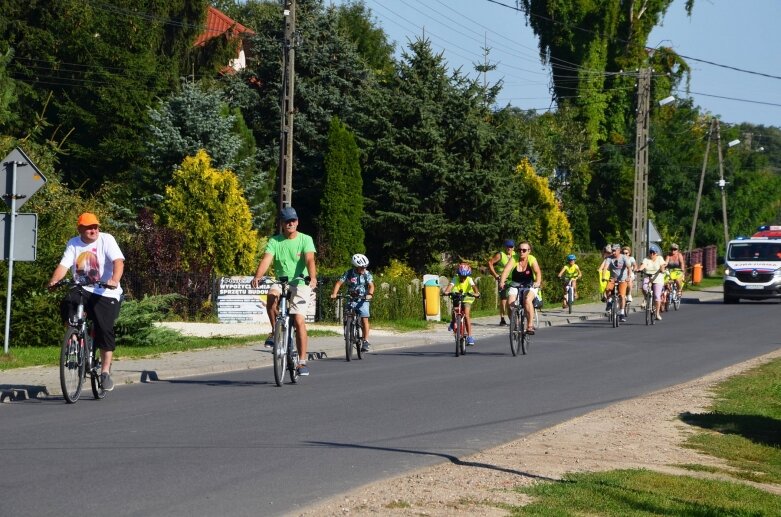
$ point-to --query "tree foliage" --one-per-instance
(208, 207)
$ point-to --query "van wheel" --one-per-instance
(731, 299)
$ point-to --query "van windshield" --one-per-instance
(767, 251)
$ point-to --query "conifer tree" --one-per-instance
(341, 233)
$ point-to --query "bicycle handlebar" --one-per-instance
(73, 283)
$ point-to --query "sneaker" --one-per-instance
(106, 382)
(622, 318)
(659, 317)
(470, 341)
(502, 322)
(303, 370)
(609, 306)
(269, 343)
(366, 347)
(450, 327)
(642, 304)
(629, 297)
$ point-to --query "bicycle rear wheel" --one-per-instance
(358, 338)
(515, 332)
(97, 390)
(71, 366)
(292, 353)
(279, 351)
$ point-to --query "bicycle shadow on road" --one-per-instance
(455, 460)
(150, 376)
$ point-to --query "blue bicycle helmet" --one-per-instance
(571, 257)
(464, 270)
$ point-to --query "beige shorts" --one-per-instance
(300, 295)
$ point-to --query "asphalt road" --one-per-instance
(235, 444)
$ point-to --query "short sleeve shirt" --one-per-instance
(619, 268)
(357, 283)
(93, 262)
(289, 255)
(465, 286)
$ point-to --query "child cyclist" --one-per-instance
(570, 271)
(464, 283)
(360, 283)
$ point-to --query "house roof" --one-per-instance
(217, 24)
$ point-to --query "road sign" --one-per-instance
(25, 243)
(28, 178)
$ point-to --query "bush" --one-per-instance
(136, 323)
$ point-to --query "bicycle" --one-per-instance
(650, 308)
(284, 334)
(520, 339)
(614, 309)
(351, 325)
(674, 297)
(78, 355)
(459, 322)
(570, 293)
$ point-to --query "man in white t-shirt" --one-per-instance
(94, 257)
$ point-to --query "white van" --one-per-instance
(753, 266)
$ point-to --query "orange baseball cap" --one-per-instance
(88, 219)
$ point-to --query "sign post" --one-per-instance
(22, 180)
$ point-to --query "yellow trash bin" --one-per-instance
(431, 297)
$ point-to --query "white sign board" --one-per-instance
(239, 302)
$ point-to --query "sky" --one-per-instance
(743, 35)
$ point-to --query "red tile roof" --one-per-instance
(217, 24)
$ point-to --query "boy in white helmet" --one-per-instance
(360, 283)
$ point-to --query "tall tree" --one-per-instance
(341, 213)
(91, 68)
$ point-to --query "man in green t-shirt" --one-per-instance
(293, 254)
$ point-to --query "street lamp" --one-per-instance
(667, 100)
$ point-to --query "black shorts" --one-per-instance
(101, 310)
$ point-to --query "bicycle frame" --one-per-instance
(285, 351)
(459, 322)
(78, 356)
(352, 326)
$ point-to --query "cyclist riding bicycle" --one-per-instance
(570, 272)
(360, 283)
(94, 257)
(604, 274)
(653, 266)
(464, 283)
(676, 266)
(627, 252)
(293, 255)
(497, 262)
(526, 272)
(618, 266)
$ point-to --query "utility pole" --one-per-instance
(713, 123)
(640, 203)
(722, 184)
(286, 104)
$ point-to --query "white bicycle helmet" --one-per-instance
(360, 260)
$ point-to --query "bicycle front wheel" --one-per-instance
(526, 338)
(348, 338)
(515, 332)
(71, 366)
(677, 300)
(358, 338)
(458, 333)
(279, 351)
(570, 298)
(97, 389)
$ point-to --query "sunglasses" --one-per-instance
(524, 250)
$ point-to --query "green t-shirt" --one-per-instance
(289, 255)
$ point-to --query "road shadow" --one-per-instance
(23, 392)
(455, 460)
(757, 428)
(148, 376)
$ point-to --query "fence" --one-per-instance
(194, 287)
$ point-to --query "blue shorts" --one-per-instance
(363, 308)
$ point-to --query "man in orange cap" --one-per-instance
(94, 257)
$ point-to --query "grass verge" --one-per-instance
(743, 427)
(23, 357)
